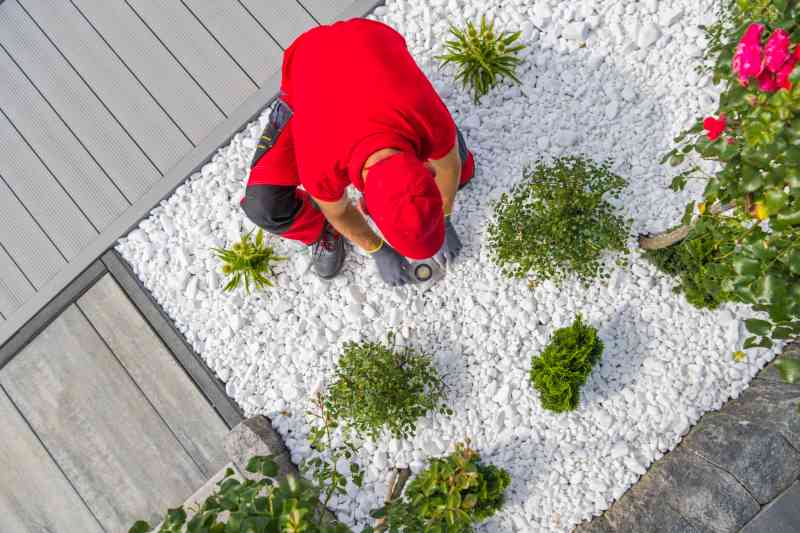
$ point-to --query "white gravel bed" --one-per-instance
(609, 79)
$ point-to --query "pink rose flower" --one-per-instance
(714, 127)
(782, 77)
(776, 51)
(767, 82)
(747, 61)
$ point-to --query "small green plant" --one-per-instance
(698, 261)
(564, 365)
(452, 495)
(556, 222)
(483, 57)
(248, 260)
(378, 387)
(264, 506)
(323, 465)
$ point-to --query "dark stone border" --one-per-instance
(51, 311)
(203, 377)
(728, 475)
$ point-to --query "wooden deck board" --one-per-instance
(326, 11)
(41, 194)
(14, 288)
(163, 381)
(99, 132)
(246, 40)
(121, 61)
(197, 50)
(285, 19)
(35, 496)
(107, 439)
(56, 146)
(108, 77)
(180, 96)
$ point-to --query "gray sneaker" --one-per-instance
(328, 253)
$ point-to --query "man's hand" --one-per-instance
(452, 245)
(393, 267)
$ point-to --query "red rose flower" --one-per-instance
(714, 127)
(776, 51)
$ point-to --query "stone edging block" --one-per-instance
(255, 436)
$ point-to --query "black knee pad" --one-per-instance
(272, 207)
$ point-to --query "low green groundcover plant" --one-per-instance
(264, 506)
(557, 222)
(483, 56)
(380, 387)
(698, 261)
(451, 495)
(560, 371)
(249, 261)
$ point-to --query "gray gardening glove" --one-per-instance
(451, 247)
(393, 267)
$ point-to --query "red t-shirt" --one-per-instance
(354, 89)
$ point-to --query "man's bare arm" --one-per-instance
(347, 220)
(448, 176)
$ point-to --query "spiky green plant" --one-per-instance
(483, 56)
(249, 260)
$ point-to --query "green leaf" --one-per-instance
(783, 333)
(789, 369)
(794, 262)
(757, 326)
(775, 200)
(140, 527)
(746, 266)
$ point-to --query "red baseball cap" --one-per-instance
(406, 205)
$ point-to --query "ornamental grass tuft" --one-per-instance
(452, 494)
(248, 261)
(380, 387)
(484, 57)
(557, 222)
(560, 371)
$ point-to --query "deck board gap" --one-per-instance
(139, 388)
(310, 14)
(130, 70)
(69, 128)
(91, 89)
(271, 35)
(172, 54)
(50, 455)
(199, 21)
(38, 224)
(46, 167)
(3, 248)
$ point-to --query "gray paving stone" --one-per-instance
(781, 516)
(255, 436)
(759, 458)
(770, 404)
(702, 493)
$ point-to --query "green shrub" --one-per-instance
(483, 57)
(265, 506)
(564, 365)
(378, 387)
(556, 222)
(752, 138)
(248, 260)
(697, 261)
(452, 494)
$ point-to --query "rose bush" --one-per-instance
(755, 138)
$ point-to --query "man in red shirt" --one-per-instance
(356, 109)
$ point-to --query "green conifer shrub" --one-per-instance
(560, 371)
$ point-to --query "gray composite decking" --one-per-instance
(100, 424)
(107, 106)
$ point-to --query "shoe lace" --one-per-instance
(328, 239)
